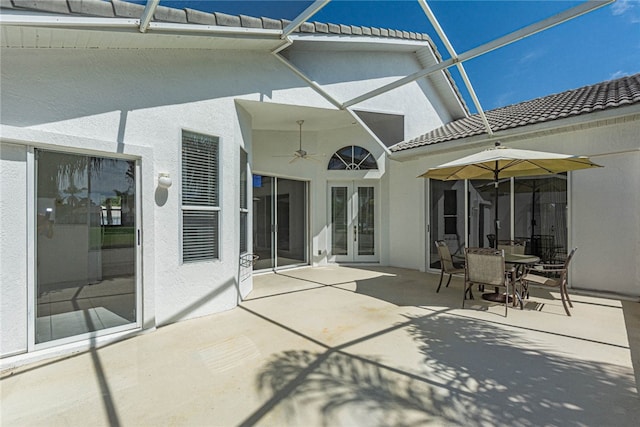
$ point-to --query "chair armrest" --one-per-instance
(544, 269)
(458, 261)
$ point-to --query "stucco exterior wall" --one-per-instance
(346, 75)
(407, 215)
(13, 248)
(134, 104)
(605, 211)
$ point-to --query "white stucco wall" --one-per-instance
(134, 104)
(605, 210)
(13, 247)
(346, 75)
(145, 99)
(407, 215)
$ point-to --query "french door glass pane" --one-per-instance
(366, 224)
(339, 220)
(541, 215)
(86, 210)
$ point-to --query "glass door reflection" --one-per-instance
(541, 216)
(291, 222)
(447, 218)
(263, 245)
(482, 203)
(279, 222)
(85, 244)
(366, 221)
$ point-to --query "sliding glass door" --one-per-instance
(446, 220)
(86, 245)
(540, 207)
(531, 211)
(484, 230)
(279, 222)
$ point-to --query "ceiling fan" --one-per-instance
(300, 153)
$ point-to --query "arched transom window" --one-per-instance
(352, 157)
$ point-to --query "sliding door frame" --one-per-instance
(32, 258)
(274, 223)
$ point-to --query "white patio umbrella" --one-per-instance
(502, 162)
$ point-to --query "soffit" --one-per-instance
(125, 34)
(283, 117)
(334, 42)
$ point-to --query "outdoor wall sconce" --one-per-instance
(164, 180)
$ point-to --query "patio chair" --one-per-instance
(446, 263)
(485, 266)
(512, 247)
(549, 276)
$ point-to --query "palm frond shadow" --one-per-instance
(505, 377)
(472, 373)
(345, 385)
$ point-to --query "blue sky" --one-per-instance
(598, 46)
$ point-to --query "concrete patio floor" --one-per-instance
(343, 346)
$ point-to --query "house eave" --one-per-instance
(30, 30)
(342, 42)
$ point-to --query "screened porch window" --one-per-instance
(200, 197)
(532, 212)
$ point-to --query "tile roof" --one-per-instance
(124, 9)
(575, 102)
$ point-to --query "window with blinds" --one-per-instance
(200, 197)
(244, 206)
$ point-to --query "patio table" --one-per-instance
(519, 261)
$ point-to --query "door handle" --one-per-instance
(355, 233)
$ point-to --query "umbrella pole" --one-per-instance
(495, 219)
(533, 218)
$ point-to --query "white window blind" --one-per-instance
(200, 197)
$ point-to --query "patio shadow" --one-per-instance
(472, 373)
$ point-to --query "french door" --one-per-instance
(353, 222)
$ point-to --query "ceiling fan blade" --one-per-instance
(294, 159)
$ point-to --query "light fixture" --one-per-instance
(164, 180)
